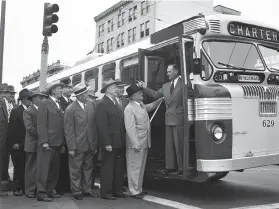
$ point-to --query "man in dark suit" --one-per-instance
(174, 118)
(63, 183)
(16, 140)
(3, 138)
(50, 125)
(110, 129)
(80, 132)
(31, 143)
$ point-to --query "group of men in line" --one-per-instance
(116, 126)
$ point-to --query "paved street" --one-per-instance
(255, 187)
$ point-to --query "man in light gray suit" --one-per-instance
(31, 143)
(80, 133)
(138, 141)
(174, 118)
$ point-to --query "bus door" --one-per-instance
(152, 71)
(186, 64)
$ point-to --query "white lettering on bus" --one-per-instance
(231, 28)
(261, 33)
(254, 31)
(247, 32)
(239, 29)
(267, 33)
(274, 36)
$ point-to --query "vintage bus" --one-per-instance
(230, 120)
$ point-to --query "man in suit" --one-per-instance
(31, 142)
(50, 125)
(80, 133)
(123, 102)
(174, 118)
(16, 140)
(8, 94)
(63, 183)
(110, 129)
(137, 138)
(3, 137)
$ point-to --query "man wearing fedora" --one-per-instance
(63, 183)
(80, 132)
(4, 156)
(138, 140)
(111, 132)
(31, 142)
(50, 125)
(16, 140)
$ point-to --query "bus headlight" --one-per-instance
(217, 133)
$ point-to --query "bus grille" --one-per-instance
(254, 92)
(268, 108)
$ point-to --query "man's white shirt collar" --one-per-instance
(55, 101)
(35, 106)
(81, 104)
(24, 106)
(111, 99)
(67, 99)
(175, 80)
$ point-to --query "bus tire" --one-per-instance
(219, 176)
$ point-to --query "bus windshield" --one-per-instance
(271, 57)
(233, 55)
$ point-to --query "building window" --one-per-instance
(118, 41)
(108, 45)
(141, 30)
(134, 33)
(112, 25)
(101, 47)
(111, 44)
(143, 8)
(100, 30)
(122, 39)
(147, 6)
(130, 14)
(135, 11)
(123, 18)
(129, 36)
(147, 28)
(109, 22)
(119, 20)
(103, 28)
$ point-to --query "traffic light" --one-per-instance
(49, 18)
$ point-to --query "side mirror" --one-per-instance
(197, 67)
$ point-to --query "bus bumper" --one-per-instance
(236, 164)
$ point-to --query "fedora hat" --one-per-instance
(11, 89)
(121, 84)
(52, 86)
(24, 93)
(132, 89)
(80, 89)
(37, 93)
(109, 82)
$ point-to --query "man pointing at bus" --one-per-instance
(174, 116)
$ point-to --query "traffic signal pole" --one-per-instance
(2, 34)
(44, 59)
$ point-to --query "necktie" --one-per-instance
(9, 109)
(172, 87)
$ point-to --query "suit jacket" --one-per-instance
(137, 125)
(16, 128)
(63, 103)
(30, 122)
(79, 127)
(110, 126)
(174, 102)
(123, 103)
(50, 123)
(3, 124)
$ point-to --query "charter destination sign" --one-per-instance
(253, 31)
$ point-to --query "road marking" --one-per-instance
(269, 206)
(165, 202)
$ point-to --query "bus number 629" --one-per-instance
(268, 123)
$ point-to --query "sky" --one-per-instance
(76, 31)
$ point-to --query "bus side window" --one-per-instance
(109, 71)
(129, 74)
(91, 79)
(76, 79)
(66, 81)
(206, 68)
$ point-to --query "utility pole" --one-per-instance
(2, 34)
(48, 29)
(44, 58)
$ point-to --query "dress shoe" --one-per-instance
(121, 195)
(108, 197)
(90, 194)
(176, 173)
(53, 195)
(31, 195)
(44, 198)
(137, 196)
(143, 193)
(78, 196)
(17, 193)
